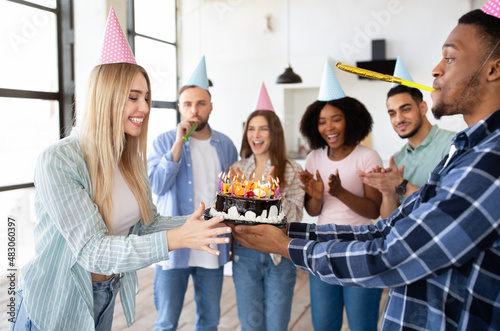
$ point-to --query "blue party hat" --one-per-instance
(199, 76)
(401, 72)
(330, 88)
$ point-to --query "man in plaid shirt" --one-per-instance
(439, 252)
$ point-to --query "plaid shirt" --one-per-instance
(439, 252)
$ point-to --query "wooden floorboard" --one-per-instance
(146, 313)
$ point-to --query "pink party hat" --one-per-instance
(492, 8)
(264, 102)
(115, 48)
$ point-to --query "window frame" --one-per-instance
(66, 75)
(131, 34)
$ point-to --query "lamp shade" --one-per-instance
(288, 77)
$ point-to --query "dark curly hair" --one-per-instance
(358, 122)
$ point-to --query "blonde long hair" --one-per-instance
(104, 142)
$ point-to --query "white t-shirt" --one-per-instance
(126, 212)
(206, 168)
(361, 158)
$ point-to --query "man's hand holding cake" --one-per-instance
(263, 238)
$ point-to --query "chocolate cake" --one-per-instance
(250, 211)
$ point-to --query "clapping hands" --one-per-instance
(313, 187)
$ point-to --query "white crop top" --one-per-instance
(126, 209)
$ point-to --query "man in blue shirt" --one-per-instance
(182, 174)
(439, 252)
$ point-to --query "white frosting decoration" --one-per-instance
(250, 216)
(232, 214)
(273, 212)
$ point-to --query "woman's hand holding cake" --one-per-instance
(199, 234)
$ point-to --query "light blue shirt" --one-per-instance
(71, 241)
(173, 182)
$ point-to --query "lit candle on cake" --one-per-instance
(245, 195)
(219, 182)
(277, 187)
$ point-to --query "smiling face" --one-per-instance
(332, 126)
(137, 106)
(258, 135)
(195, 106)
(405, 115)
(457, 75)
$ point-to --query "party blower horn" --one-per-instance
(379, 76)
(190, 132)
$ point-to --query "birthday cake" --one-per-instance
(248, 202)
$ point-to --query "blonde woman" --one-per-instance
(96, 223)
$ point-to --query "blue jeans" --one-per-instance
(327, 303)
(104, 306)
(264, 291)
(169, 290)
(104, 302)
(22, 321)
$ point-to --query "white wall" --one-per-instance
(241, 54)
(89, 22)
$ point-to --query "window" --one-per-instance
(35, 86)
(152, 36)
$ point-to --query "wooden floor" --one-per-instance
(146, 314)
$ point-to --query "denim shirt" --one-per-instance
(439, 252)
(173, 183)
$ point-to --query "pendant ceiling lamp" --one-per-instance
(288, 77)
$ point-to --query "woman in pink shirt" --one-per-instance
(335, 193)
